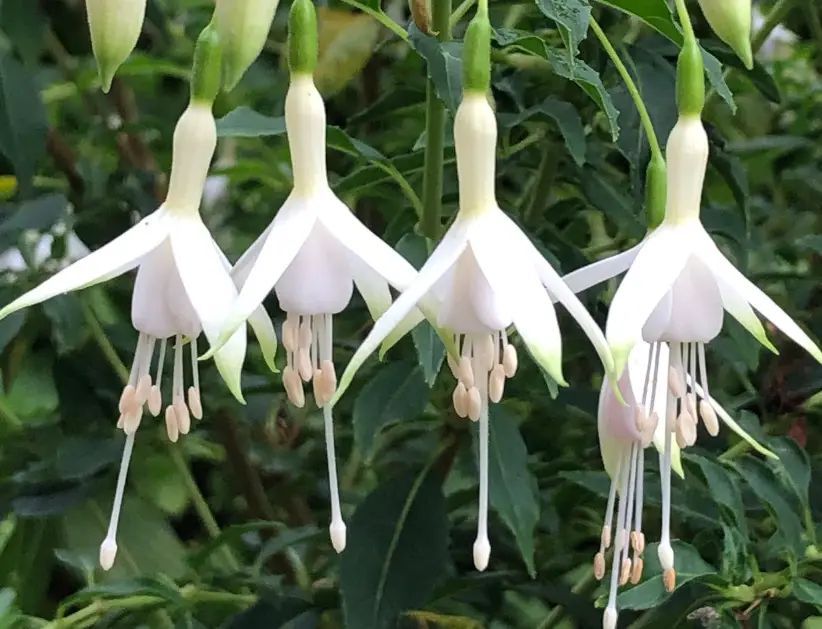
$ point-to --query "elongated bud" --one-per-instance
(476, 56)
(731, 21)
(655, 191)
(421, 15)
(115, 26)
(243, 26)
(205, 73)
(690, 80)
(303, 44)
(687, 153)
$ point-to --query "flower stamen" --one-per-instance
(108, 549)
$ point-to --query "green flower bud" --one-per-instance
(731, 21)
(690, 80)
(656, 190)
(476, 56)
(115, 28)
(303, 44)
(243, 26)
(207, 67)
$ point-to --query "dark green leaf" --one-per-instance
(396, 393)
(22, 121)
(396, 552)
(724, 489)
(655, 13)
(571, 17)
(808, 592)
(564, 115)
(280, 613)
(444, 63)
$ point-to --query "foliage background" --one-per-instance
(227, 528)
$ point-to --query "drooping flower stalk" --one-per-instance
(484, 276)
(314, 252)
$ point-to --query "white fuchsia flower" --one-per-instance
(484, 276)
(313, 254)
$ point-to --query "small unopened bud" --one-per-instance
(708, 415)
(599, 566)
(243, 26)
(731, 21)
(303, 45)
(115, 28)
(421, 14)
(656, 186)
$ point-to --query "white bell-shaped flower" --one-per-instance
(115, 27)
(312, 256)
(484, 276)
(184, 285)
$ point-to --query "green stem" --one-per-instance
(685, 20)
(431, 224)
(546, 175)
(102, 340)
(201, 506)
(775, 16)
(381, 17)
(644, 117)
(460, 12)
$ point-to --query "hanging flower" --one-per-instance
(314, 252)
(183, 285)
(484, 276)
(115, 28)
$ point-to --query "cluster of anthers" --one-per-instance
(686, 373)
(308, 344)
(141, 391)
(488, 354)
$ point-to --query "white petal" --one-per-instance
(445, 255)
(120, 255)
(695, 311)
(652, 274)
(748, 291)
(259, 320)
(212, 293)
(371, 286)
(366, 245)
(513, 278)
(159, 304)
(732, 424)
(602, 270)
(741, 310)
(286, 236)
(559, 289)
(319, 278)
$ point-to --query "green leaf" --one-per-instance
(762, 480)
(808, 592)
(32, 394)
(793, 466)
(655, 13)
(580, 73)
(397, 551)
(444, 65)
(279, 613)
(651, 592)
(81, 457)
(512, 488)
(396, 393)
(38, 214)
(23, 22)
(244, 122)
(723, 488)
(23, 122)
(572, 18)
(564, 115)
